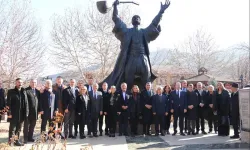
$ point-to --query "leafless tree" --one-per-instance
(83, 41)
(200, 50)
(241, 65)
(21, 45)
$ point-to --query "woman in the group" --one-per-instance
(222, 107)
(83, 110)
(112, 111)
(166, 91)
(134, 108)
(211, 115)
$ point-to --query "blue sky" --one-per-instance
(226, 20)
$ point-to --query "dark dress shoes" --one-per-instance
(182, 134)
(203, 132)
(95, 135)
(106, 133)
(17, 143)
(100, 134)
(120, 134)
(234, 137)
(168, 132)
(31, 140)
(174, 133)
(82, 137)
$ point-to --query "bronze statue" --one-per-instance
(133, 63)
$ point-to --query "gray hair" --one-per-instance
(199, 83)
(211, 86)
(160, 88)
(124, 84)
(48, 81)
(33, 79)
(113, 87)
(96, 84)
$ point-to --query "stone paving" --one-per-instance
(168, 142)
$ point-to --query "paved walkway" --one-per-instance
(209, 141)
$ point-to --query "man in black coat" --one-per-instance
(69, 105)
(49, 106)
(105, 95)
(34, 108)
(96, 107)
(179, 107)
(146, 108)
(2, 99)
(17, 102)
(235, 112)
(192, 102)
(160, 109)
(123, 110)
(200, 111)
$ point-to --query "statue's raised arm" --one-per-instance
(120, 27)
(154, 29)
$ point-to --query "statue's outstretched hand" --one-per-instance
(165, 6)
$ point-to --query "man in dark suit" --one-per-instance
(69, 106)
(184, 88)
(235, 111)
(89, 88)
(34, 107)
(160, 109)
(2, 99)
(49, 105)
(90, 84)
(146, 108)
(96, 107)
(106, 96)
(122, 110)
(200, 114)
(179, 107)
(17, 102)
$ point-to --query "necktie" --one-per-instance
(34, 91)
(50, 100)
(148, 93)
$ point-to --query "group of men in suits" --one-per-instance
(185, 104)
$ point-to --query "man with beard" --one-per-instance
(18, 105)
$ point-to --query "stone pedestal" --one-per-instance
(244, 99)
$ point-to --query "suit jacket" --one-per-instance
(223, 103)
(178, 101)
(81, 106)
(105, 96)
(45, 104)
(34, 103)
(14, 101)
(235, 110)
(134, 104)
(123, 102)
(69, 98)
(201, 97)
(160, 104)
(2, 99)
(88, 87)
(96, 103)
(192, 99)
